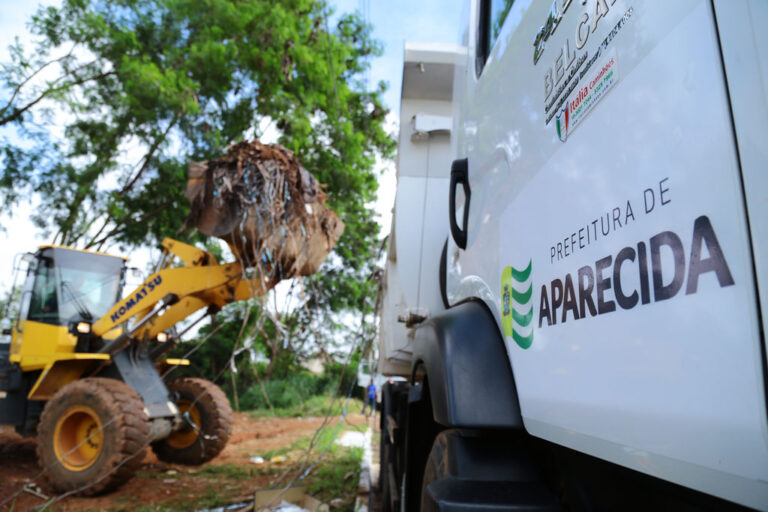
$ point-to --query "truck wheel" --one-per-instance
(204, 404)
(386, 499)
(92, 436)
(435, 469)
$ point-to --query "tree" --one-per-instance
(142, 87)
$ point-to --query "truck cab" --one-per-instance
(595, 294)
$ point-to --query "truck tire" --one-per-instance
(92, 436)
(384, 490)
(208, 408)
(433, 471)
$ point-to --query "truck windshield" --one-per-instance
(73, 285)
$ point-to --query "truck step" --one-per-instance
(454, 495)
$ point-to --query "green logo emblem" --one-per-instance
(513, 322)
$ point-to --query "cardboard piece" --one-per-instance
(296, 495)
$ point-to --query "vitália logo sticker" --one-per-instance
(592, 87)
(517, 308)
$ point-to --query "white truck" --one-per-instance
(576, 287)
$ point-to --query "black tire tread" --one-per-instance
(131, 424)
(435, 469)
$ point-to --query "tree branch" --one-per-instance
(120, 228)
(149, 155)
(30, 77)
(146, 159)
(18, 112)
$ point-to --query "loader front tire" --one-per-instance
(92, 436)
(205, 405)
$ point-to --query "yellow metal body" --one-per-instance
(163, 365)
(34, 345)
(199, 283)
(62, 371)
(50, 348)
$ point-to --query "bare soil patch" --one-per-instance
(231, 477)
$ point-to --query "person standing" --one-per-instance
(370, 398)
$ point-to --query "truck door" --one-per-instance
(607, 232)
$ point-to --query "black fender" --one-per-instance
(470, 379)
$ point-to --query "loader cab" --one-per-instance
(64, 287)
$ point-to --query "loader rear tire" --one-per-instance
(92, 436)
(208, 408)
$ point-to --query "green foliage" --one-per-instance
(258, 339)
(280, 349)
(316, 406)
(345, 377)
(287, 393)
(211, 359)
(338, 478)
(142, 87)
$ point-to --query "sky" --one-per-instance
(394, 22)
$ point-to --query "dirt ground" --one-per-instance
(160, 485)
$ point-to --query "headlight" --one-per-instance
(83, 327)
(162, 337)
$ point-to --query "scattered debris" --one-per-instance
(235, 508)
(35, 490)
(257, 460)
(352, 439)
(266, 206)
(232, 475)
(294, 497)
(288, 507)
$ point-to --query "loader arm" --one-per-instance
(200, 283)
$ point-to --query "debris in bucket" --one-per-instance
(266, 206)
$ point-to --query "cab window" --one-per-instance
(44, 306)
(492, 16)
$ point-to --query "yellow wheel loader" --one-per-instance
(85, 369)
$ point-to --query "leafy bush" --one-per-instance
(317, 406)
(348, 375)
(288, 392)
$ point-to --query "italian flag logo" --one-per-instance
(561, 121)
